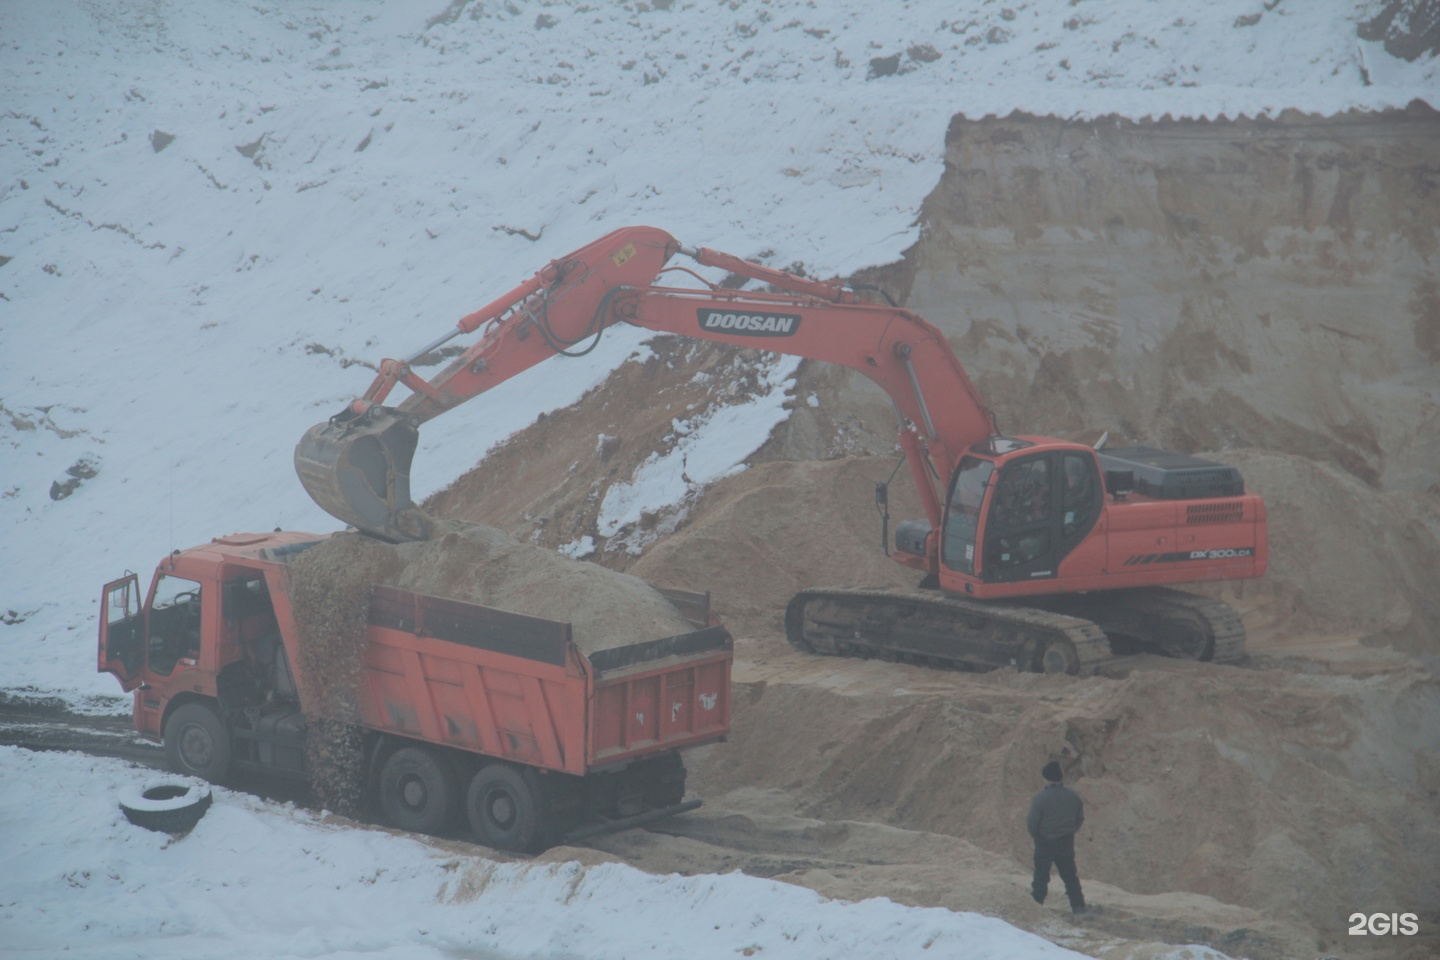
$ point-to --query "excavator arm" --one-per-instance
(356, 465)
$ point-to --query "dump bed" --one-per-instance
(518, 687)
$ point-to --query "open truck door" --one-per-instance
(122, 631)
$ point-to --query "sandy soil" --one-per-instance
(1260, 292)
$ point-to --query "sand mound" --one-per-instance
(331, 592)
(1301, 796)
(761, 536)
(1345, 558)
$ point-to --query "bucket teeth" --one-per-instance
(358, 470)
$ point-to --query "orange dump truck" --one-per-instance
(453, 706)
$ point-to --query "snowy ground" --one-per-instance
(214, 214)
(257, 879)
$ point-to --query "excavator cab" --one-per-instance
(1015, 510)
(1022, 513)
(357, 468)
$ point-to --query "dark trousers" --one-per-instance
(1061, 853)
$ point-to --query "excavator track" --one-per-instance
(1074, 634)
(934, 629)
(1160, 620)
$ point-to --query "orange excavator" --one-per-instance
(1036, 553)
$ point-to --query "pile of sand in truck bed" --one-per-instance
(483, 565)
(330, 588)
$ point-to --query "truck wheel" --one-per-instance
(197, 744)
(417, 790)
(166, 806)
(1056, 656)
(664, 780)
(503, 808)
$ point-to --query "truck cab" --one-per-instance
(206, 633)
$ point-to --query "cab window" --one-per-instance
(962, 516)
(1023, 496)
(1080, 497)
(1021, 534)
(174, 623)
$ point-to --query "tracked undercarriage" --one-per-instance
(1073, 634)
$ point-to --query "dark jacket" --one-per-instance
(1055, 812)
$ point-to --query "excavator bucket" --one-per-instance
(357, 468)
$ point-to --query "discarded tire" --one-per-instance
(166, 806)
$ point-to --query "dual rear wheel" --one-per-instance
(419, 790)
(503, 808)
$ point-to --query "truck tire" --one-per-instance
(664, 780)
(166, 806)
(504, 809)
(197, 744)
(417, 790)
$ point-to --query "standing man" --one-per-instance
(1056, 813)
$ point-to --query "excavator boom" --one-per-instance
(356, 465)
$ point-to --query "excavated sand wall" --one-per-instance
(1190, 284)
(1269, 284)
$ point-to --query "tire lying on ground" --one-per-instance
(166, 806)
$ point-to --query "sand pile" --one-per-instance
(486, 566)
(1300, 796)
(761, 536)
(331, 592)
(1345, 558)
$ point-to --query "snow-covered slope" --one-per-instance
(214, 214)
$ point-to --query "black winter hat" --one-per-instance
(1052, 772)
